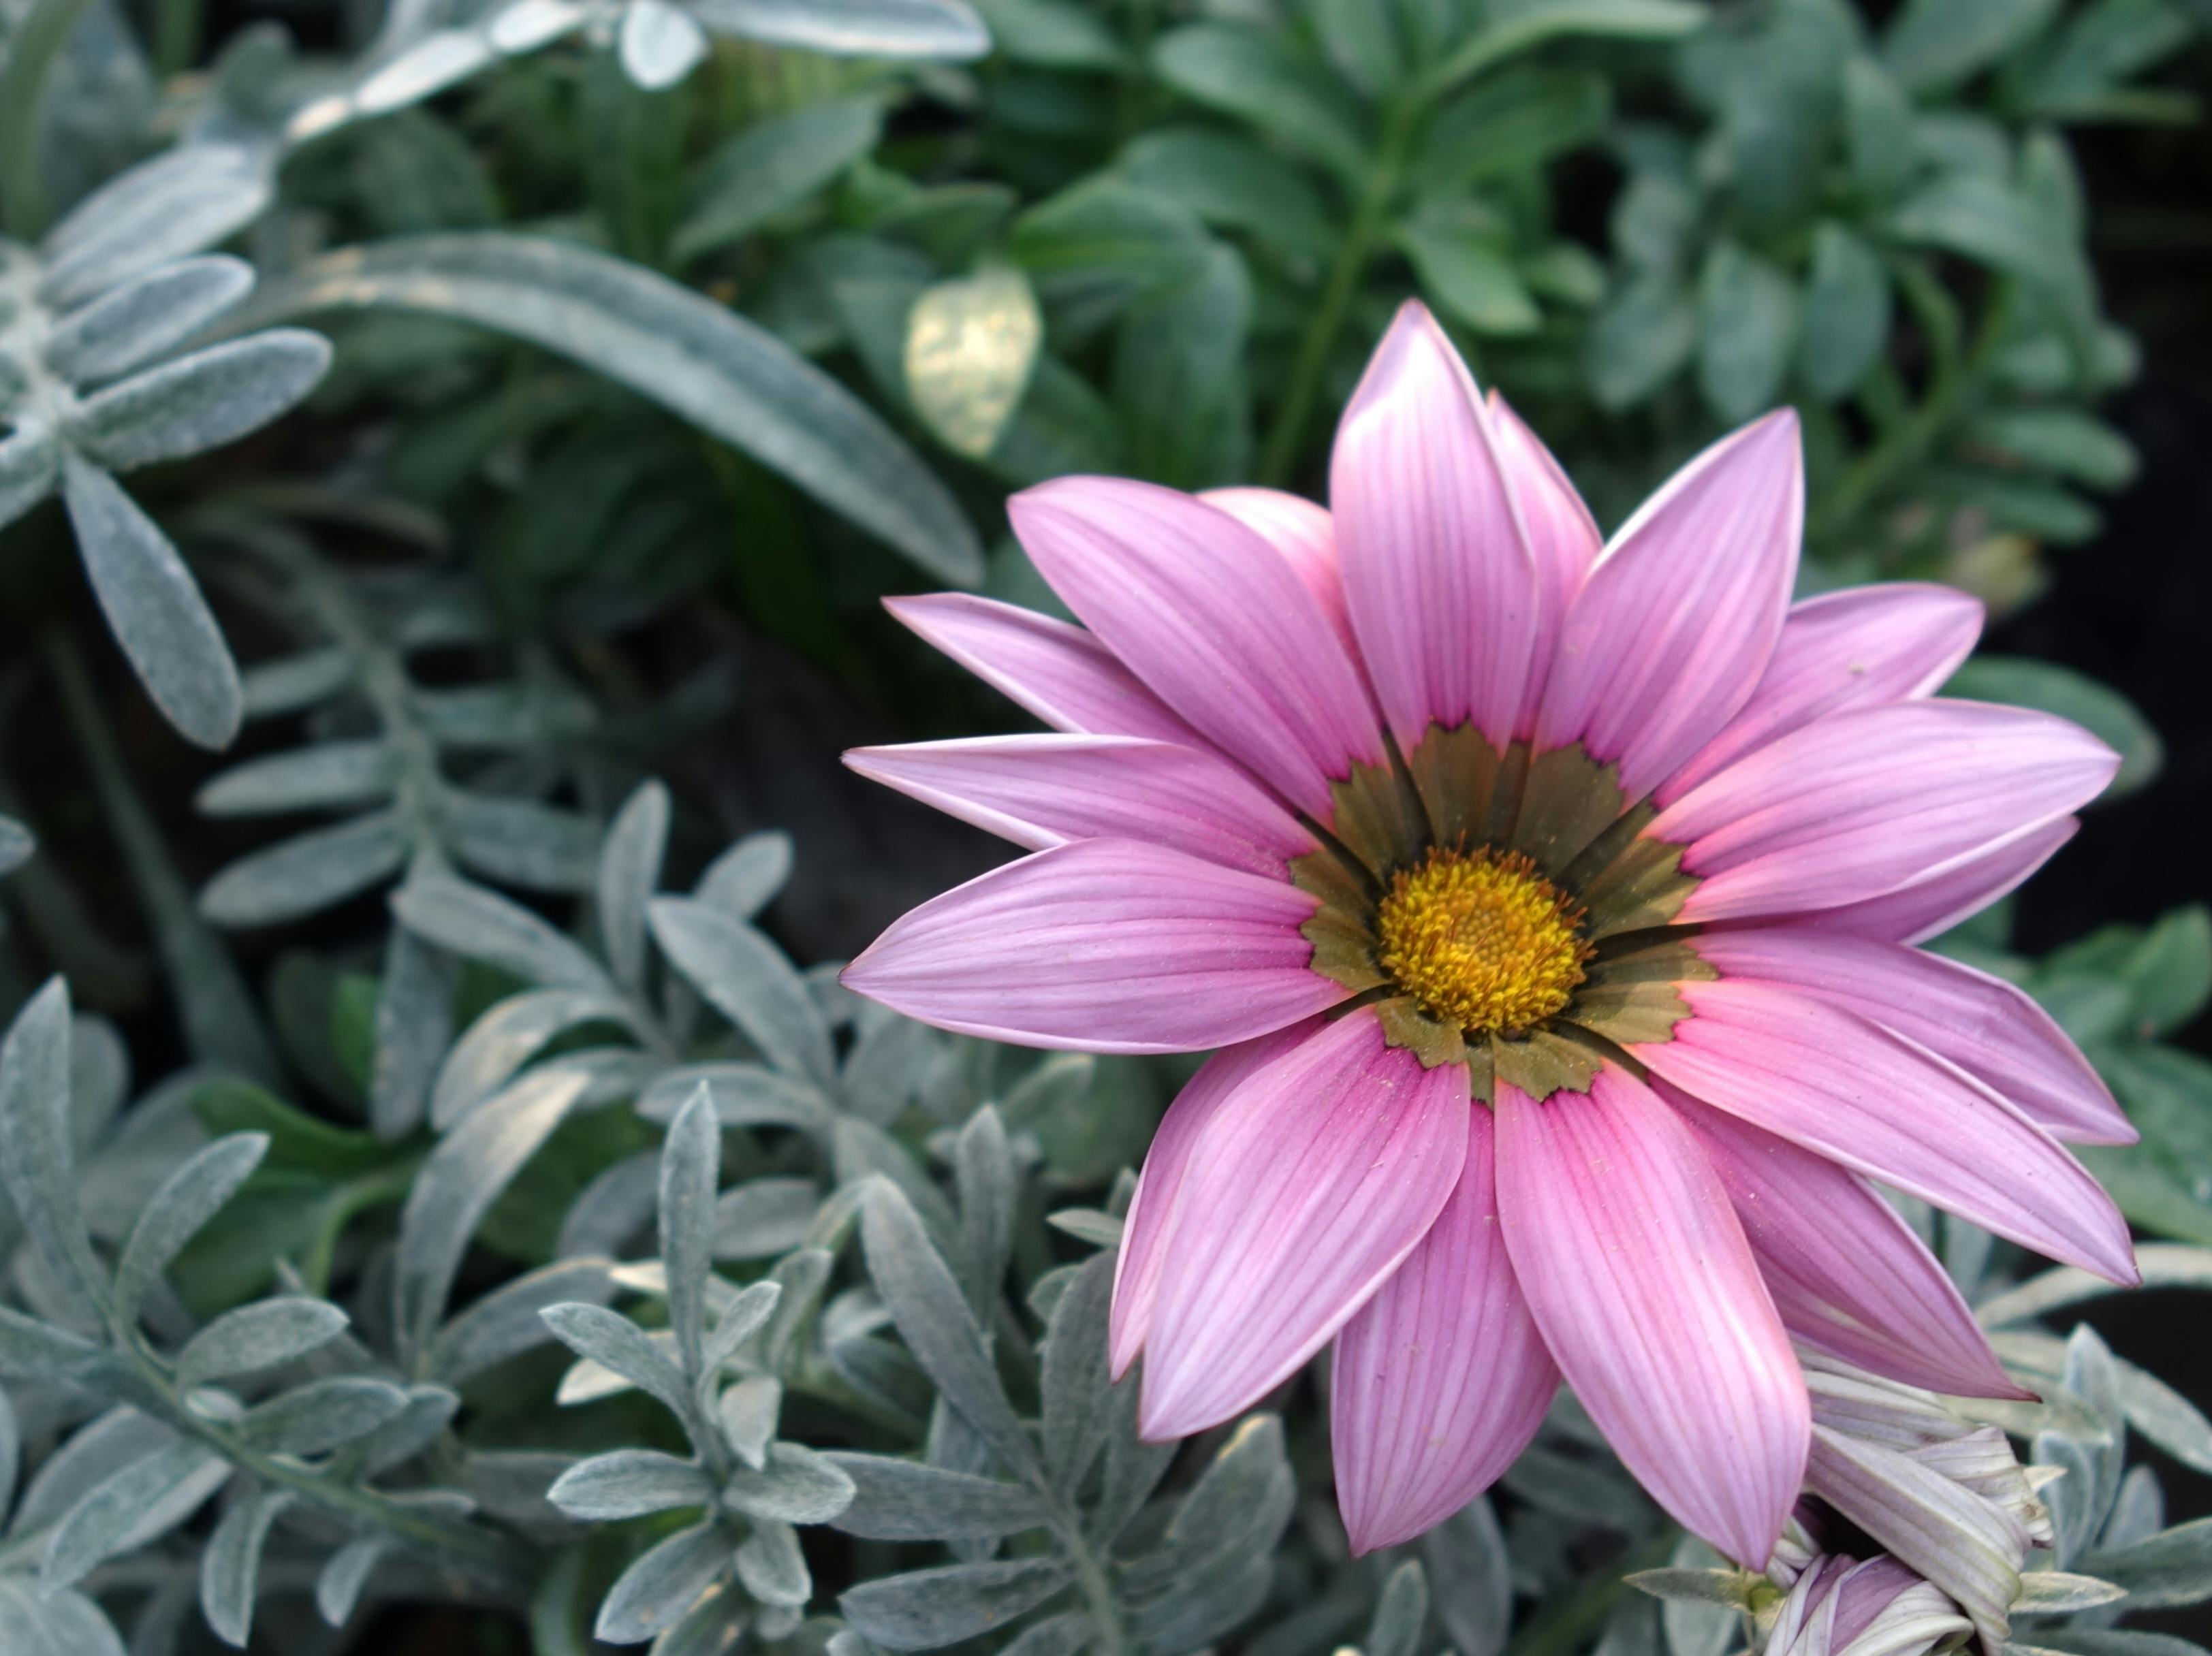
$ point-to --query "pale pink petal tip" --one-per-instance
(1442, 1379)
(1317, 1173)
(1442, 586)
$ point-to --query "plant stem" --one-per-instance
(1573, 1619)
(1287, 437)
(1098, 1589)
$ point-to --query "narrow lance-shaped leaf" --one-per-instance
(153, 607)
(724, 374)
(690, 1170)
(37, 1164)
(202, 401)
(258, 1336)
(230, 1568)
(187, 1199)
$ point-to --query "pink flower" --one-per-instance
(1552, 903)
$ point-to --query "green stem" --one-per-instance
(1578, 1614)
(1097, 1588)
(177, 35)
(32, 49)
(1370, 217)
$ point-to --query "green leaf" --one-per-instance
(2171, 973)
(1401, 1613)
(1261, 76)
(1846, 315)
(732, 379)
(1233, 184)
(1052, 34)
(970, 346)
(1531, 26)
(768, 169)
(1931, 45)
(1464, 267)
(295, 1140)
(2074, 444)
(1878, 125)
(1983, 218)
(1096, 248)
(2100, 47)
(1747, 328)
(1178, 379)
(2102, 711)
(1640, 340)
(1510, 125)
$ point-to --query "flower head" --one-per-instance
(1552, 903)
(1875, 1607)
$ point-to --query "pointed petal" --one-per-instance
(1928, 908)
(1060, 673)
(1896, 642)
(1984, 1025)
(1144, 1229)
(1846, 1272)
(1562, 534)
(1041, 790)
(1863, 802)
(1317, 1176)
(1649, 1299)
(1102, 945)
(1442, 585)
(1213, 619)
(1673, 629)
(1847, 1089)
(1442, 1379)
(1302, 532)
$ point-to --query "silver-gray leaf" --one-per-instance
(344, 1574)
(924, 1608)
(202, 401)
(658, 44)
(37, 1163)
(764, 1218)
(946, 29)
(506, 1038)
(480, 925)
(307, 873)
(627, 876)
(30, 463)
(258, 1336)
(726, 375)
(145, 1499)
(187, 1199)
(153, 607)
(508, 1322)
(745, 879)
(690, 1171)
(772, 1567)
(909, 1500)
(134, 324)
(796, 1486)
(663, 1584)
(230, 1568)
(179, 202)
(322, 1415)
(324, 777)
(630, 1484)
(522, 842)
(750, 982)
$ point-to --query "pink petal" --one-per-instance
(1639, 1277)
(1863, 802)
(1845, 1271)
(1983, 1024)
(1895, 642)
(1442, 585)
(1102, 945)
(1846, 1087)
(1303, 534)
(1314, 1178)
(1929, 907)
(1059, 673)
(1442, 1379)
(1041, 790)
(1138, 1265)
(1672, 631)
(1562, 534)
(1213, 619)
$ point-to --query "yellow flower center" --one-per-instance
(1481, 939)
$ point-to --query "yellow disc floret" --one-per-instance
(1482, 939)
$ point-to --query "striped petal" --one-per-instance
(1041, 790)
(1929, 907)
(1845, 1271)
(1651, 1302)
(1442, 1379)
(1562, 534)
(1863, 802)
(1672, 631)
(1142, 1256)
(1302, 532)
(1847, 1089)
(1318, 1173)
(1442, 585)
(1059, 673)
(1102, 945)
(1895, 642)
(1213, 619)
(1984, 1025)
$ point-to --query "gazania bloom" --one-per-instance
(1844, 1607)
(1552, 902)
